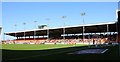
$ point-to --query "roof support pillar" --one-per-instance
(48, 34)
(24, 36)
(83, 33)
(107, 33)
(17, 37)
(29, 36)
(34, 35)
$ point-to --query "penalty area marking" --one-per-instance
(104, 51)
(90, 51)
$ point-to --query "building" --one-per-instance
(65, 32)
(118, 25)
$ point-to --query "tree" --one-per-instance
(42, 26)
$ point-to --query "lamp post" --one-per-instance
(64, 17)
(83, 14)
(24, 30)
(34, 30)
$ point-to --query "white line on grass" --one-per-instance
(104, 51)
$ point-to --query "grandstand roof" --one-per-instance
(89, 28)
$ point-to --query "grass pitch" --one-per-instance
(37, 46)
(28, 52)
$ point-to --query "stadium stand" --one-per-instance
(118, 25)
(55, 34)
(58, 41)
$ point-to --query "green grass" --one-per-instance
(16, 51)
(54, 52)
(37, 46)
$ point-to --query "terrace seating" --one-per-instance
(56, 41)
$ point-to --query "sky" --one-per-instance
(60, 0)
(28, 12)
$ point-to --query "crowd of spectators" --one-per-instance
(67, 40)
(58, 41)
